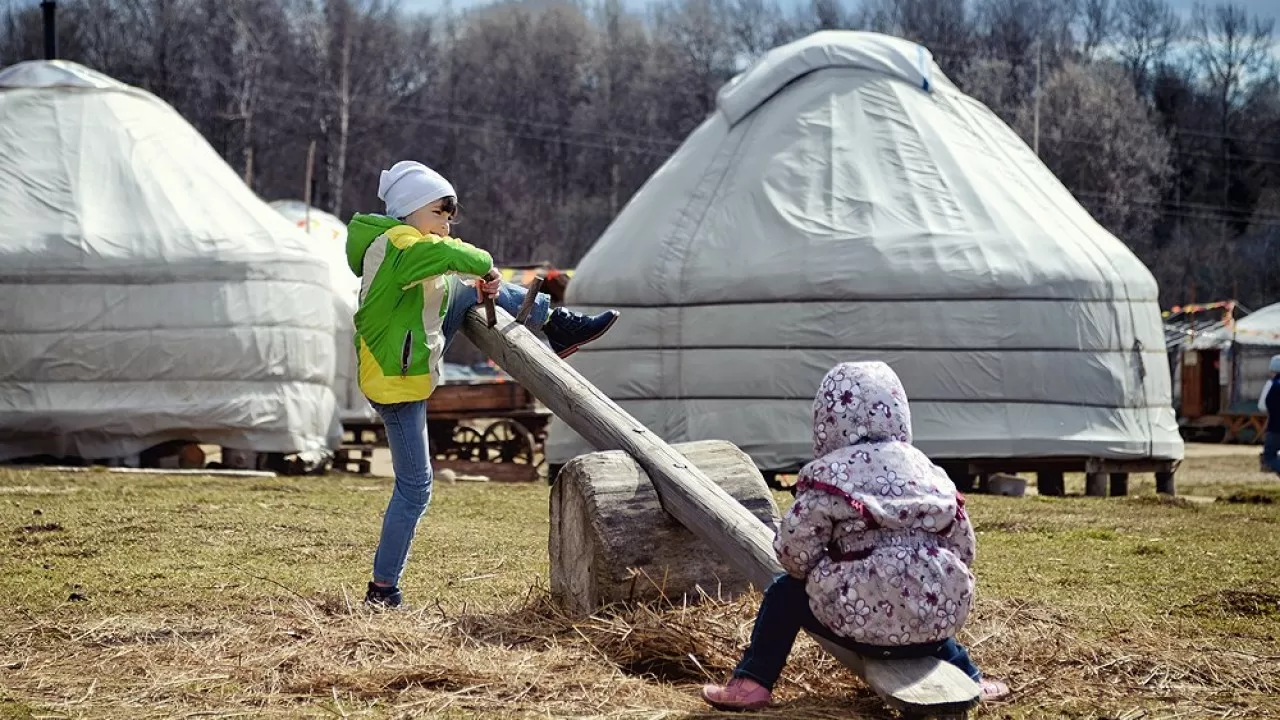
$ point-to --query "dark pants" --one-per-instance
(785, 610)
(1271, 450)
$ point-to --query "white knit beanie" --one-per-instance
(410, 185)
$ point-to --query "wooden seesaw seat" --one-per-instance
(917, 688)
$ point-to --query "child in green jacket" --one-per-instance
(413, 298)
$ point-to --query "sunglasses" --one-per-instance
(448, 209)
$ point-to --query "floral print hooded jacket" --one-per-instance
(877, 529)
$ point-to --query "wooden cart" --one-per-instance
(486, 426)
(487, 422)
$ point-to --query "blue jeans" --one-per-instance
(1271, 450)
(785, 610)
(406, 426)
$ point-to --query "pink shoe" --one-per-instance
(739, 694)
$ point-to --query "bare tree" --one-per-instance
(1234, 52)
(1145, 32)
(943, 26)
(697, 54)
(1233, 49)
(549, 115)
(829, 15)
(1099, 19)
(20, 35)
(162, 29)
(995, 83)
(758, 26)
(102, 34)
(1098, 137)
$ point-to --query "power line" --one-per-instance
(659, 147)
(671, 143)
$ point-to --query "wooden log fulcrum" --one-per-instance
(918, 688)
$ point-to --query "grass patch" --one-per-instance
(1253, 497)
(160, 596)
(10, 710)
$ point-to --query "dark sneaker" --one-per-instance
(567, 330)
(383, 596)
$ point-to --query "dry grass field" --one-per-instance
(183, 597)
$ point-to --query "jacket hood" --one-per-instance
(857, 403)
(361, 232)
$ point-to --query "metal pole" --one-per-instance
(1036, 139)
(306, 190)
(50, 8)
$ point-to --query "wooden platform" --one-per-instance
(1227, 427)
(495, 471)
(354, 459)
(370, 432)
(1103, 477)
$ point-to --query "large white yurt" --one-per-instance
(329, 237)
(846, 202)
(146, 294)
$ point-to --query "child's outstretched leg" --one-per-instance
(566, 331)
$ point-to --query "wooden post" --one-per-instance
(1164, 483)
(611, 541)
(530, 297)
(490, 316)
(1051, 483)
(248, 167)
(919, 687)
(1095, 484)
(1119, 484)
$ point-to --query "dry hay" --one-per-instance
(331, 655)
(531, 659)
(1062, 666)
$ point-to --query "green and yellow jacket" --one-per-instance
(404, 294)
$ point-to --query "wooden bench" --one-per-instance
(1236, 425)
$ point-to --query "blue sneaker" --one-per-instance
(567, 330)
(383, 596)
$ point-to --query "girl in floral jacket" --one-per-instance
(876, 548)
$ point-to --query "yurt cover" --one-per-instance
(146, 294)
(846, 202)
(329, 240)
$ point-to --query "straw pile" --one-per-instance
(330, 654)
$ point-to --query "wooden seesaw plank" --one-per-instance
(923, 687)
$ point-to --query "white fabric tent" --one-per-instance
(330, 242)
(146, 294)
(1260, 328)
(845, 201)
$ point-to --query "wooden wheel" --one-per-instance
(467, 444)
(510, 442)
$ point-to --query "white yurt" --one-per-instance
(846, 202)
(146, 294)
(329, 237)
